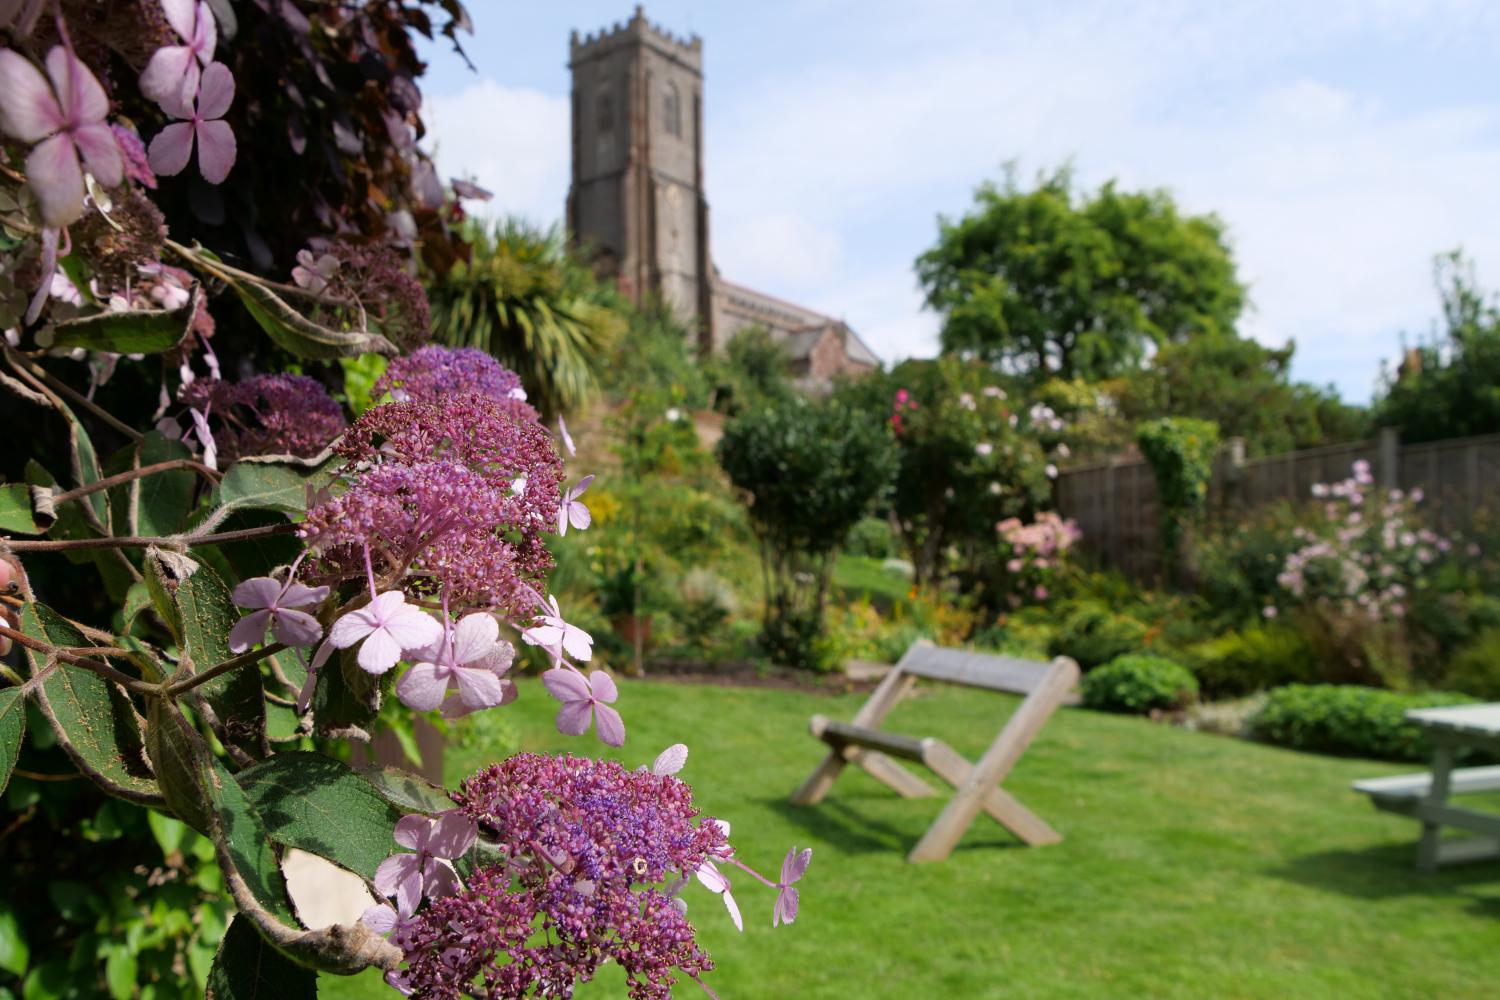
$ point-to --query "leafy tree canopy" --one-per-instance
(1051, 282)
(1450, 387)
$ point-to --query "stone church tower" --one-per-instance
(637, 199)
(637, 194)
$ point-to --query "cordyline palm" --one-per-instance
(522, 298)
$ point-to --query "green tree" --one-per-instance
(1048, 282)
(525, 299)
(810, 471)
(1246, 389)
(1450, 387)
(755, 368)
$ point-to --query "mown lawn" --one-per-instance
(1193, 866)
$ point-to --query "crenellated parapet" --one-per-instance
(688, 48)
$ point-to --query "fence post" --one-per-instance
(1388, 457)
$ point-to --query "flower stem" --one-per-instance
(233, 663)
(141, 542)
(141, 473)
(102, 669)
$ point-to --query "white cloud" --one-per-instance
(511, 140)
(777, 249)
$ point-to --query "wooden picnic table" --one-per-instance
(1425, 797)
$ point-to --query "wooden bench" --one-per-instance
(1412, 795)
(861, 742)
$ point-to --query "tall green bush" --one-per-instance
(809, 471)
(1348, 719)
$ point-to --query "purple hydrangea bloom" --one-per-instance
(428, 374)
(268, 414)
(590, 846)
(470, 660)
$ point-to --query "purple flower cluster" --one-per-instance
(450, 497)
(268, 414)
(431, 373)
(594, 857)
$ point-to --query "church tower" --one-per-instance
(636, 197)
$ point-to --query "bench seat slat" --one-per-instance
(1401, 786)
(840, 734)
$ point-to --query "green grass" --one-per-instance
(1193, 865)
(861, 576)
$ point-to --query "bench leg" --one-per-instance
(1002, 806)
(889, 773)
(1429, 848)
(817, 784)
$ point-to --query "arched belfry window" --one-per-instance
(604, 111)
(671, 109)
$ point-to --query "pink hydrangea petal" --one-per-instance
(171, 79)
(577, 643)
(412, 831)
(248, 631)
(543, 635)
(670, 760)
(216, 150)
(579, 516)
(603, 687)
(380, 918)
(101, 153)
(499, 659)
(215, 91)
(795, 865)
(573, 717)
(54, 175)
(708, 873)
(171, 149)
(413, 628)
(379, 652)
(477, 688)
(452, 835)
(205, 35)
(351, 628)
(182, 15)
(79, 94)
(393, 869)
(611, 727)
(474, 637)
(298, 595)
(438, 879)
(566, 685)
(421, 688)
(734, 911)
(296, 628)
(28, 107)
(257, 592)
(786, 906)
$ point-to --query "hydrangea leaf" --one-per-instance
(93, 720)
(247, 842)
(157, 504)
(300, 336)
(320, 805)
(143, 331)
(248, 967)
(406, 791)
(15, 955)
(15, 510)
(12, 732)
(207, 612)
(346, 696)
(279, 485)
(180, 759)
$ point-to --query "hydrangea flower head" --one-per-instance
(430, 373)
(387, 626)
(469, 659)
(426, 872)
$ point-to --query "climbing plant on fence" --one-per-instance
(1181, 451)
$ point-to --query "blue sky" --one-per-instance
(1344, 143)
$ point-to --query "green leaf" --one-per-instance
(320, 805)
(146, 331)
(406, 791)
(291, 330)
(169, 832)
(207, 613)
(119, 971)
(12, 732)
(248, 843)
(180, 757)
(345, 695)
(15, 509)
(14, 953)
(247, 967)
(281, 485)
(92, 719)
(137, 599)
(157, 504)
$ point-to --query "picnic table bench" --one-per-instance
(1424, 796)
(862, 742)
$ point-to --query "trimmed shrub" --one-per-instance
(1093, 635)
(1348, 719)
(1475, 669)
(1256, 659)
(1139, 685)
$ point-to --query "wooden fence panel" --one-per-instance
(1115, 505)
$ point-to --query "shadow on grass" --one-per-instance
(837, 822)
(1388, 872)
